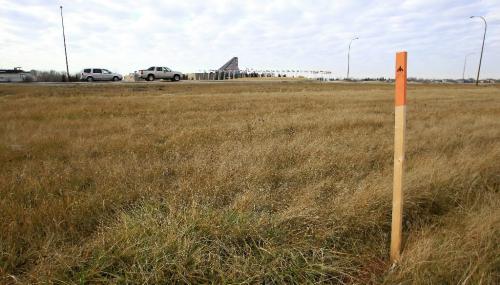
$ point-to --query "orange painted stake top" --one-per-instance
(401, 60)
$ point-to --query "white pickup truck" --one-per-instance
(158, 72)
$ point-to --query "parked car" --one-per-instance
(158, 72)
(99, 74)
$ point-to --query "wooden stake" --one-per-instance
(399, 155)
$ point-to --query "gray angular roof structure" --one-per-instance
(231, 65)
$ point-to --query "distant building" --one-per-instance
(231, 65)
(15, 75)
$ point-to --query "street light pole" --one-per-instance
(349, 56)
(64, 39)
(465, 63)
(482, 48)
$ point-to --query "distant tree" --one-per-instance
(53, 76)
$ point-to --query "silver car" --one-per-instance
(158, 72)
(99, 74)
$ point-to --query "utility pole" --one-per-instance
(349, 56)
(482, 48)
(64, 40)
(465, 63)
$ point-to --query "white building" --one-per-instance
(15, 75)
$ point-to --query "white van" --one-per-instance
(99, 74)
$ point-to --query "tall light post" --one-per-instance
(349, 56)
(482, 48)
(64, 39)
(465, 63)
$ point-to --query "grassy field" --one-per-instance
(271, 182)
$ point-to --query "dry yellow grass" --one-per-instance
(246, 182)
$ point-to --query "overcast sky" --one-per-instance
(188, 36)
